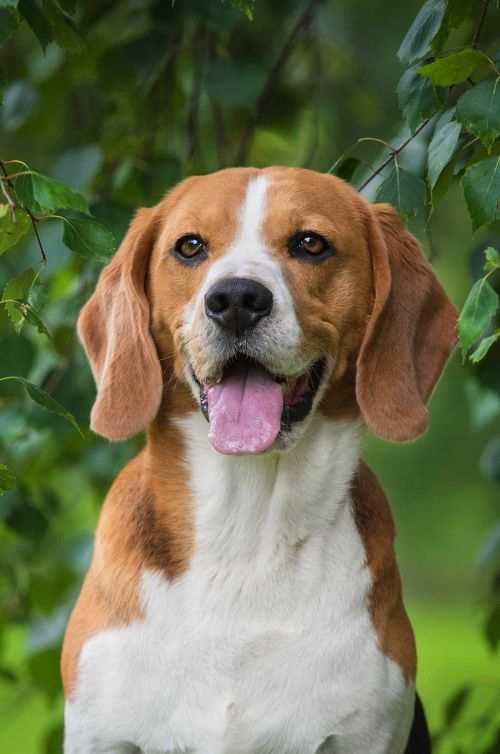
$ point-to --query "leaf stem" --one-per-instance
(394, 154)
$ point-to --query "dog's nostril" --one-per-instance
(238, 303)
(217, 302)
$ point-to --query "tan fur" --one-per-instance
(376, 527)
(375, 308)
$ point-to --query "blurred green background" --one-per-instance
(145, 93)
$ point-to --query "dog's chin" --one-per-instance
(252, 410)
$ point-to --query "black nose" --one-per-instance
(238, 303)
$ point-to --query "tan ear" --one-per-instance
(114, 329)
(409, 336)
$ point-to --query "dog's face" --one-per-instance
(271, 294)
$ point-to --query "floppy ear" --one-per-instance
(114, 329)
(409, 336)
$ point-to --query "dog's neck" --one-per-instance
(263, 507)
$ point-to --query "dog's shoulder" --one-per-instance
(375, 525)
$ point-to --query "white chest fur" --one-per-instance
(265, 644)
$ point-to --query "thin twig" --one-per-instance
(276, 71)
(394, 154)
(480, 24)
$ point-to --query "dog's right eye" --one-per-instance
(190, 249)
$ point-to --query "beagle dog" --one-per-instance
(243, 595)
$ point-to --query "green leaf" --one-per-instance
(453, 69)
(492, 259)
(88, 239)
(456, 704)
(65, 31)
(480, 306)
(18, 288)
(484, 347)
(37, 191)
(422, 31)
(29, 315)
(441, 150)
(13, 226)
(7, 479)
(347, 168)
(457, 11)
(37, 21)
(418, 98)
(44, 400)
(245, 6)
(479, 110)
(443, 184)
(481, 184)
(9, 23)
(405, 191)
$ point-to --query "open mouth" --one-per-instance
(250, 405)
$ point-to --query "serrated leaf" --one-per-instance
(422, 31)
(18, 288)
(37, 21)
(454, 69)
(456, 704)
(483, 348)
(13, 226)
(418, 98)
(9, 23)
(7, 479)
(39, 192)
(480, 306)
(405, 191)
(88, 239)
(45, 400)
(441, 149)
(481, 184)
(65, 31)
(492, 259)
(479, 110)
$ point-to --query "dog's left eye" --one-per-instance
(190, 248)
(310, 247)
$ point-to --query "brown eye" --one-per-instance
(313, 244)
(190, 249)
(310, 247)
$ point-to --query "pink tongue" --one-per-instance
(244, 410)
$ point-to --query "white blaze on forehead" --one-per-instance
(248, 253)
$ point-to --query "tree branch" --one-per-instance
(275, 73)
(480, 24)
(394, 154)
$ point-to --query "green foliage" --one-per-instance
(404, 190)
(481, 305)
(453, 69)
(479, 111)
(112, 104)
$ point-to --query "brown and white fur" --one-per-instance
(251, 604)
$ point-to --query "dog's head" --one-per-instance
(271, 294)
